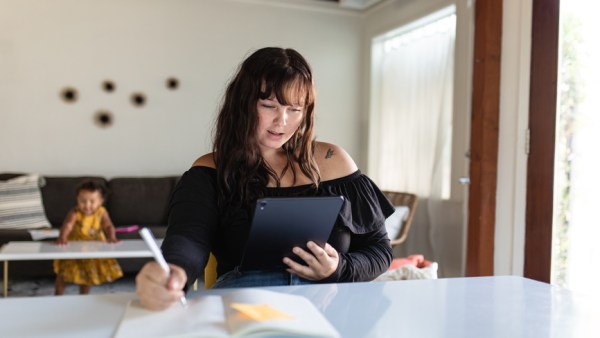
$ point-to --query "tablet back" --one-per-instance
(279, 224)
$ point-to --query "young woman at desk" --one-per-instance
(264, 147)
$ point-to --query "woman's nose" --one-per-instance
(281, 116)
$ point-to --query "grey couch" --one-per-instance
(142, 201)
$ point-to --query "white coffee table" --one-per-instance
(31, 251)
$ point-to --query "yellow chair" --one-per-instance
(210, 272)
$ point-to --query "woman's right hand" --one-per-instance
(156, 289)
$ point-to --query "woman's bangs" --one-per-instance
(289, 90)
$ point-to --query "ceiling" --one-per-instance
(355, 4)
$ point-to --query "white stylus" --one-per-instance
(151, 242)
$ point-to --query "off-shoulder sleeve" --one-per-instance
(365, 207)
(363, 214)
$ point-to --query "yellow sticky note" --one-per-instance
(260, 312)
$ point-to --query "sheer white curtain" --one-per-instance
(416, 72)
(410, 143)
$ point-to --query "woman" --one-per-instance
(264, 147)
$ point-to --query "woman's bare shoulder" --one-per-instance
(333, 161)
(206, 160)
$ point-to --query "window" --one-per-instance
(411, 105)
(576, 182)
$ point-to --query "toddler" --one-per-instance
(88, 221)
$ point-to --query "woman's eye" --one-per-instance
(268, 106)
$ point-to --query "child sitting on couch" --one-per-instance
(88, 221)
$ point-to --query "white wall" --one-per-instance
(47, 45)
(509, 246)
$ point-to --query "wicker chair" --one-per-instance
(406, 199)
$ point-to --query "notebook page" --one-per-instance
(203, 317)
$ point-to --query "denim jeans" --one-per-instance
(237, 279)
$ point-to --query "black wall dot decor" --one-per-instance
(103, 118)
(69, 94)
(138, 99)
(172, 83)
(108, 86)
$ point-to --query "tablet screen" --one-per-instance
(279, 224)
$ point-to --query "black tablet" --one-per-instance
(279, 224)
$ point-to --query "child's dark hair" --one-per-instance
(92, 185)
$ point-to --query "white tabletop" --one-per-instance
(129, 248)
(460, 307)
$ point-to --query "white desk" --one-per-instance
(461, 307)
(25, 251)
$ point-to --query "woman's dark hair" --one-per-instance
(92, 185)
(242, 173)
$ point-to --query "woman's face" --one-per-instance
(276, 123)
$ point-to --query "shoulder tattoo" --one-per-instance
(329, 153)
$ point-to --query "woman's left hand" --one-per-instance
(322, 262)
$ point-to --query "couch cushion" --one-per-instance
(21, 203)
(139, 200)
(60, 195)
(393, 224)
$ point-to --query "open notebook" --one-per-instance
(243, 312)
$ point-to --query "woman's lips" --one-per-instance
(275, 133)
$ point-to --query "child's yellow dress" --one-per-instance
(88, 271)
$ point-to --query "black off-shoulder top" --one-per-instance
(197, 226)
